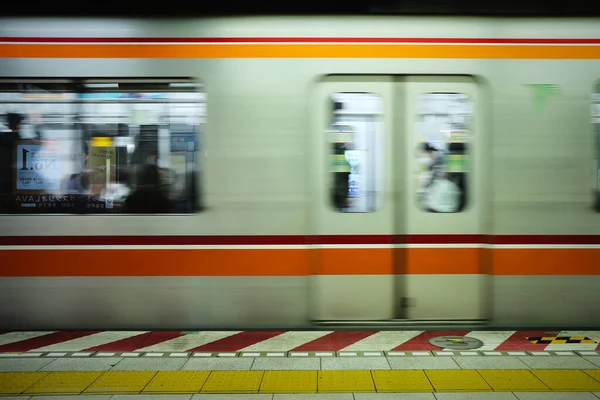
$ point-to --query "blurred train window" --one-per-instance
(102, 146)
(355, 151)
(442, 136)
(596, 168)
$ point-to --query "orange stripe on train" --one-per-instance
(298, 262)
(137, 50)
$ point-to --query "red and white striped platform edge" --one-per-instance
(279, 343)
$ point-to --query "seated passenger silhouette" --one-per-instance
(148, 198)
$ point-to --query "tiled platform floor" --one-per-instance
(18, 363)
(296, 366)
(296, 382)
(337, 396)
(573, 377)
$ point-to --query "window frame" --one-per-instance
(75, 90)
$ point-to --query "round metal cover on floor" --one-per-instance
(456, 342)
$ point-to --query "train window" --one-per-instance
(443, 136)
(355, 146)
(100, 146)
(596, 167)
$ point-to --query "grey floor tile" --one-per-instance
(207, 364)
(476, 396)
(22, 365)
(361, 363)
(557, 362)
(496, 362)
(19, 398)
(233, 397)
(594, 360)
(394, 396)
(319, 396)
(84, 364)
(286, 364)
(597, 394)
(145, 397)
(555, 396)
(150, 364)
(423, 363)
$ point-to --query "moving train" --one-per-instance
(361, 171)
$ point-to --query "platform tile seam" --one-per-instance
(292, 354)
(229, 382)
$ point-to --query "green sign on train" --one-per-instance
(456, 163)
(339, 163)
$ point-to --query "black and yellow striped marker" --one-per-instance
(560, 340)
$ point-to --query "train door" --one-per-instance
(398, 200)
(353, 279)
(444, 275)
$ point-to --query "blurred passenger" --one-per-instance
(340, 189)
(79, 183)
(167, 178)
(426, 161)
(183, 192)
(148, 198)
(97, 181)
(89, 182)
(436, 192)
(115, 190)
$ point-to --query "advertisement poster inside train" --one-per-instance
(442, 137)
(38, 168)
(355, 158)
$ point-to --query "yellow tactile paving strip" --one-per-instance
(516, 380)
(230, 382)
(345, 382)
(12, 383)
(457, 380)
(289, 381)
(401, 381)
(120, 382)
(569, 380)
(173, 382)
(62, 383)
(233, 382)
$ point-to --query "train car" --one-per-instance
(320, 171)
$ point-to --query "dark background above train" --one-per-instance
(532, 8)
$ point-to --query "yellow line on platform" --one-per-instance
(229, 382)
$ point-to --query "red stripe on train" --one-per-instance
(298, 240)
(554, 41)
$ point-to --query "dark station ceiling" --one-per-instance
(187, 8)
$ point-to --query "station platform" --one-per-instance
(301, 365)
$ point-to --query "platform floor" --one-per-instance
(432, 381)
(238, 370)
(344, 396)
(529, 377)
